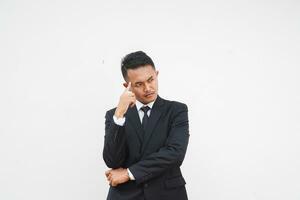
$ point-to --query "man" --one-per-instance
(146, 138)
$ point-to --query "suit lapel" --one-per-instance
(155, 114)
(133, 116)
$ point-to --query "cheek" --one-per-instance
(155, 85)
(138, 93)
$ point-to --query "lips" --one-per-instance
(148, 95)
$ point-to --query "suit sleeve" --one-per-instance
(114, 151)
(170, 155)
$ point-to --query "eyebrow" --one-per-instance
(151, 77)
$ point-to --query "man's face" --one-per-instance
(144, 83)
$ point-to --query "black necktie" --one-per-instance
(145, 118)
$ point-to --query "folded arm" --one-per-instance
(170, 155)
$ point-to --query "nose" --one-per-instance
(147, 87)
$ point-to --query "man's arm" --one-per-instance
(171, 154)
(114, 151)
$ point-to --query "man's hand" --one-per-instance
(117, 176)
(126, 99)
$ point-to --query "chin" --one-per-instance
(147, 100)
(151, 98)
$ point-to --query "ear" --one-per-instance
(125, 84)
(157, 72)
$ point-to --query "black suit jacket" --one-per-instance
(154, 157)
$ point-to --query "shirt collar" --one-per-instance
(139, 104)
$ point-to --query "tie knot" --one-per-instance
(145, 109)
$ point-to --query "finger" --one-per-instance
(130, 93)
(107, 172)
(114, 183)
(128, 87)
(109, 177)
(133, 102)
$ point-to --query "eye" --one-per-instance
(138, 85)
(150, 80)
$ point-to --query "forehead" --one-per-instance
(140, 74)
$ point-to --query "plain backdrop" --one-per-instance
(234, 63)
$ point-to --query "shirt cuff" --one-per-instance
(119, 121)
(131, 177)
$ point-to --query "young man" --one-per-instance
(146, 138)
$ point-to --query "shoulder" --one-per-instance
(179, 105)
(175, 105)
(176, 110)
(111, 112)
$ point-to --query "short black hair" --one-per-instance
(135, 60)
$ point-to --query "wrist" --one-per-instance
(127, 174)
(131, 177)
(119, 114)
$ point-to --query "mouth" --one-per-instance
(149, 95)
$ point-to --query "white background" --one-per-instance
(235, 63)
